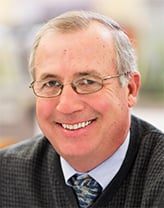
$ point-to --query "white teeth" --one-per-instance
(76, 126)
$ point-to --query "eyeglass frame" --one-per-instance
(74, 87)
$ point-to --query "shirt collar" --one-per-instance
(103, 173)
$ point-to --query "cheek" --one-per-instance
(113, 103)
(43, 109)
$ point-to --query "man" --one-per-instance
(86, 81)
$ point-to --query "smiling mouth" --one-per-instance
(77, 125)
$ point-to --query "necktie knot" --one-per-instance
(86, 189)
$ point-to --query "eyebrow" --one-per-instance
(45, 76)
(86, 73)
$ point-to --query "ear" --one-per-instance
(133, 88)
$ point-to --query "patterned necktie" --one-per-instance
(86, 189)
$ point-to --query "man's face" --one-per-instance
(90, 126)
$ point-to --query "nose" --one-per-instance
(69, 101)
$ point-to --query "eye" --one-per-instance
(51, 83)
(88, 84)
(87, 81)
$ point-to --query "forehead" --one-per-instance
(95, 32)
(87, 49)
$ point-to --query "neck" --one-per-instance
(86, 163)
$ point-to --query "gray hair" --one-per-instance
(78, 20)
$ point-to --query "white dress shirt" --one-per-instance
(105, 172)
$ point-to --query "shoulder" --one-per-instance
(149, 139)
(150, 156)
(21, 148)
(148, 167)
(145, 131)
(23, 151)
(27, 158)
(150, 145)
(26, 172)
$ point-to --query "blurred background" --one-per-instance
(19, 22)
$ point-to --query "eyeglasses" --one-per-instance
(87, 84)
